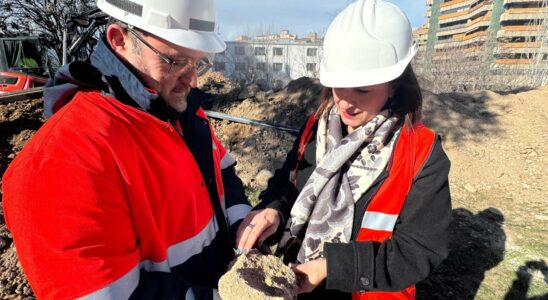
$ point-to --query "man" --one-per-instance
(125, 192)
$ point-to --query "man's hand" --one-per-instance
(257, 226)
(310, 274)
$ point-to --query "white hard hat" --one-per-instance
(370, 42)
(187, 23)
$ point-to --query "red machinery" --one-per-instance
(21, 65)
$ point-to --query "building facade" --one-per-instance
(479, 38)
(270, 59)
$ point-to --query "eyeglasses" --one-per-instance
(201, 66)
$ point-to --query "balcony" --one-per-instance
(518, 48)
(522, 28)
(521, 45)
(481, 21)
(455, 4)
(467, 40)
(512, 61)
(475, 49)
(521, 1)
(527, 10)
(474, 35)
(455, 15)
(485, 7)
(451, 3)
(531, 13)
(452, 30)
(466, 14)
(522, 31)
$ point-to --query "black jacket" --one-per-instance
(419, 242)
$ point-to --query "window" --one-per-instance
(8, 80)
(219, 66)
(311, 52)
(278, 51)
(240, 66)
(37, 84)
(240, 51)
(445, 37)
(261, 66)
(311, 67)
(277, 67)
(260, 51)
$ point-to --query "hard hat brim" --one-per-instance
(367, 77)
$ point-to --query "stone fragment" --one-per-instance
(258, 277)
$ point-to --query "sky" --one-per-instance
(251, 17)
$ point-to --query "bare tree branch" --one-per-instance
(43, 18)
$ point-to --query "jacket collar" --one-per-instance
(114, 70)
(110, 75)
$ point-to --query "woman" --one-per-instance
(365, 188)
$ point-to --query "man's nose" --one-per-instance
(190, 78)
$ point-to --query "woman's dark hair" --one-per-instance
(406, 103)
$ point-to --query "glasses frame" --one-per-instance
(200, 67)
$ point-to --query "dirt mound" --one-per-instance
(18, 123)
(258, 277)
(496, 143)
(289, 106)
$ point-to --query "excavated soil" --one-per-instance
(258, 277)
(496, 143)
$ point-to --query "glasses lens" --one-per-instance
(202, 66)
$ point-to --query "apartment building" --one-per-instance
(484, 37)
(274, 59)
(420, 36)
(523, 33)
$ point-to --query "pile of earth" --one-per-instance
(496, 142)
(289, 106)
(255, 276)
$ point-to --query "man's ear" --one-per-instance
(118, 39)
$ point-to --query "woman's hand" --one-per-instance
(310, 274)
(257, 226)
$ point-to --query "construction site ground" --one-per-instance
(497, 144)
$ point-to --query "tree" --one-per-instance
(46, 19)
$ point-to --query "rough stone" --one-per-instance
(262, 177)
(258, 277)
(470, 188)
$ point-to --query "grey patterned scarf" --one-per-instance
(325, 206)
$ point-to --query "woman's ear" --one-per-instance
(118, 39)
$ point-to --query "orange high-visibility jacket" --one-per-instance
(109, 200)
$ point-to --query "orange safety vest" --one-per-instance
(411, 151)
